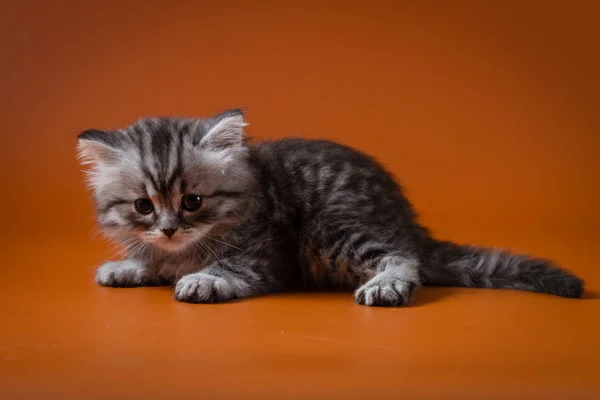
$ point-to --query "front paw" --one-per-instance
(126, 273)
(205, 288)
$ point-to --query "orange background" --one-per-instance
(487, 111)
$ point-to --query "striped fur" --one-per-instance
(276, 215)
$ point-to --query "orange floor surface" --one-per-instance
(487, 111)
(63, 337)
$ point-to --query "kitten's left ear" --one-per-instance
(97, 146)
(224, 130)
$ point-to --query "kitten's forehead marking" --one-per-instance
(160, 143)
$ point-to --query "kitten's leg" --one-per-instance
(125, 273)
(231, 278)
(396, 279)
(350, 254)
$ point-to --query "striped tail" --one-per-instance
(450, 264)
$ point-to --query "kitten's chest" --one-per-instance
(171, 269)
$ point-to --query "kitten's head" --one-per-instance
(165, 183)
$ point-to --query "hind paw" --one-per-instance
(385, 293)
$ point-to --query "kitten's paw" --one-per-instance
(205, 288)
(385, 293)
(126, 273)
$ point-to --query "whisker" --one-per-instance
(214, 258)
(219, 241)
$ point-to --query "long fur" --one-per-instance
(275, 215)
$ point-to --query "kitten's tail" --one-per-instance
(450, 264)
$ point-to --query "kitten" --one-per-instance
(198, 207)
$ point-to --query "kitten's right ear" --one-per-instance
(225, 130)
(97, 146)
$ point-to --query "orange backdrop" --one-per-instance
(487, 111)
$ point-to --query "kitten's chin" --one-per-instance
(173, 245)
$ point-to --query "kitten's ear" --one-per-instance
(224, 130)
(97, 146)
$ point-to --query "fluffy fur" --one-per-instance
(275, 216)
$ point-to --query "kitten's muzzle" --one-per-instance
(169, 232)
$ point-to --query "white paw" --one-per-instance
(205, 288)
(126, 273)
(385, 293)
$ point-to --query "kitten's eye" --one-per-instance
(144, 206)
(191, 202)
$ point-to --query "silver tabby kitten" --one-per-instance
(198, 207)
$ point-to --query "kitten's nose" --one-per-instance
(169, 232)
